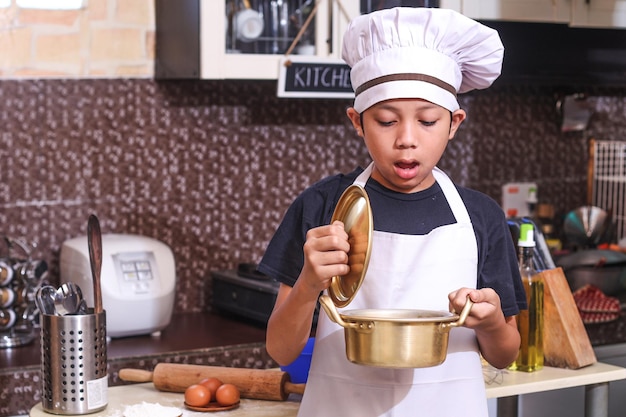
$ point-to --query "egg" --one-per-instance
(197, 395)
(227, 394)
(212, 384)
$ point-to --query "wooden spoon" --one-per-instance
(94, 240)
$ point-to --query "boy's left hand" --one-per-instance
(486, 311)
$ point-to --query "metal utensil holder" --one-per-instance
(74, 363)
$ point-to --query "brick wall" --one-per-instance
(107, 38)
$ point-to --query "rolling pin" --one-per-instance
(259, 384)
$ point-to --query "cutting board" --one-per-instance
(565, 340)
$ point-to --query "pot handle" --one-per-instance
(333, 314)
(464, 313)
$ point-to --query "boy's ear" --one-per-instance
(457, 118)
(355, 118)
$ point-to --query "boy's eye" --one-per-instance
(385, 123)
(427, 123)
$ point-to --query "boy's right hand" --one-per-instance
(325, 255)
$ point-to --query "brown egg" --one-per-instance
(197, 395)
(227, 394)
(212, 384)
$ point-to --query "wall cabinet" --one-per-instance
(599, 13)
(576, 13)
(547, 11)
(244, 39)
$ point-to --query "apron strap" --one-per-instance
(364, 176)
(452, 195)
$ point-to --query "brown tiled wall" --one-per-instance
(209, 167)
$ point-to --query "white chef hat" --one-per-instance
(427, 53)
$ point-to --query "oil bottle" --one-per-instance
(530, 322)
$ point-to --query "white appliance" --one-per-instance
(138, 281)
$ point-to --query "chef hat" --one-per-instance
(408, 52)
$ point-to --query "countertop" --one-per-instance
(195, 338)
(511, 383)
(191, 331)
(185, 332)
(122, 397)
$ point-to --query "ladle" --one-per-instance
(68, 299)
(45, 299)
(94, 241)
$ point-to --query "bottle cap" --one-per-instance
(526, 235)
(532, 195)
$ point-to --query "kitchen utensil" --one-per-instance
(566, 343)
(587, 226)
(82, 307)
(94, 241)
(275, 22)
(353, 209)
(396, 338)
(283, 24)
(575, 111)
(391, 338)
(605, 269)
(212, 407)
(45, 299)
(74, 363)
(260, 384)
(248, 23)
(68, 299)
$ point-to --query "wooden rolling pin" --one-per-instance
(259, 384)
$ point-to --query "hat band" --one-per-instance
(405, 77)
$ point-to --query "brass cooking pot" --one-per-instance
(385, 338)
(396, 338)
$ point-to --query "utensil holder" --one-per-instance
(74, 363)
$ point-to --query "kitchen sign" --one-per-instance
(312, 77)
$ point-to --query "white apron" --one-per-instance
(415, 272)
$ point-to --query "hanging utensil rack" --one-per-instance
(607, 180)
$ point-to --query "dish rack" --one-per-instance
(606, 186)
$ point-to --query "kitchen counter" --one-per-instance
(122, 397)
(195, 338)
(509, 385)
(185, 332)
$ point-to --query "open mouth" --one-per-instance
(406, 169)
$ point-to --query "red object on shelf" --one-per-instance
(596, 307)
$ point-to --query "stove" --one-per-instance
(245, 293)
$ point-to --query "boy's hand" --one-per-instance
(498, 338)
(485, 312)
(325, 255)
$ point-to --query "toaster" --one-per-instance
(138, 280)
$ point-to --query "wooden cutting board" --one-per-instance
(565, 340)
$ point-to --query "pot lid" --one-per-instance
(354, 210)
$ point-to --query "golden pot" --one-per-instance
(396, 338)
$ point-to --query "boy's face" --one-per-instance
(406, 138)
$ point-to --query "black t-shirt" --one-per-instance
(414, 213)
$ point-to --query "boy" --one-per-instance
(433, 243)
